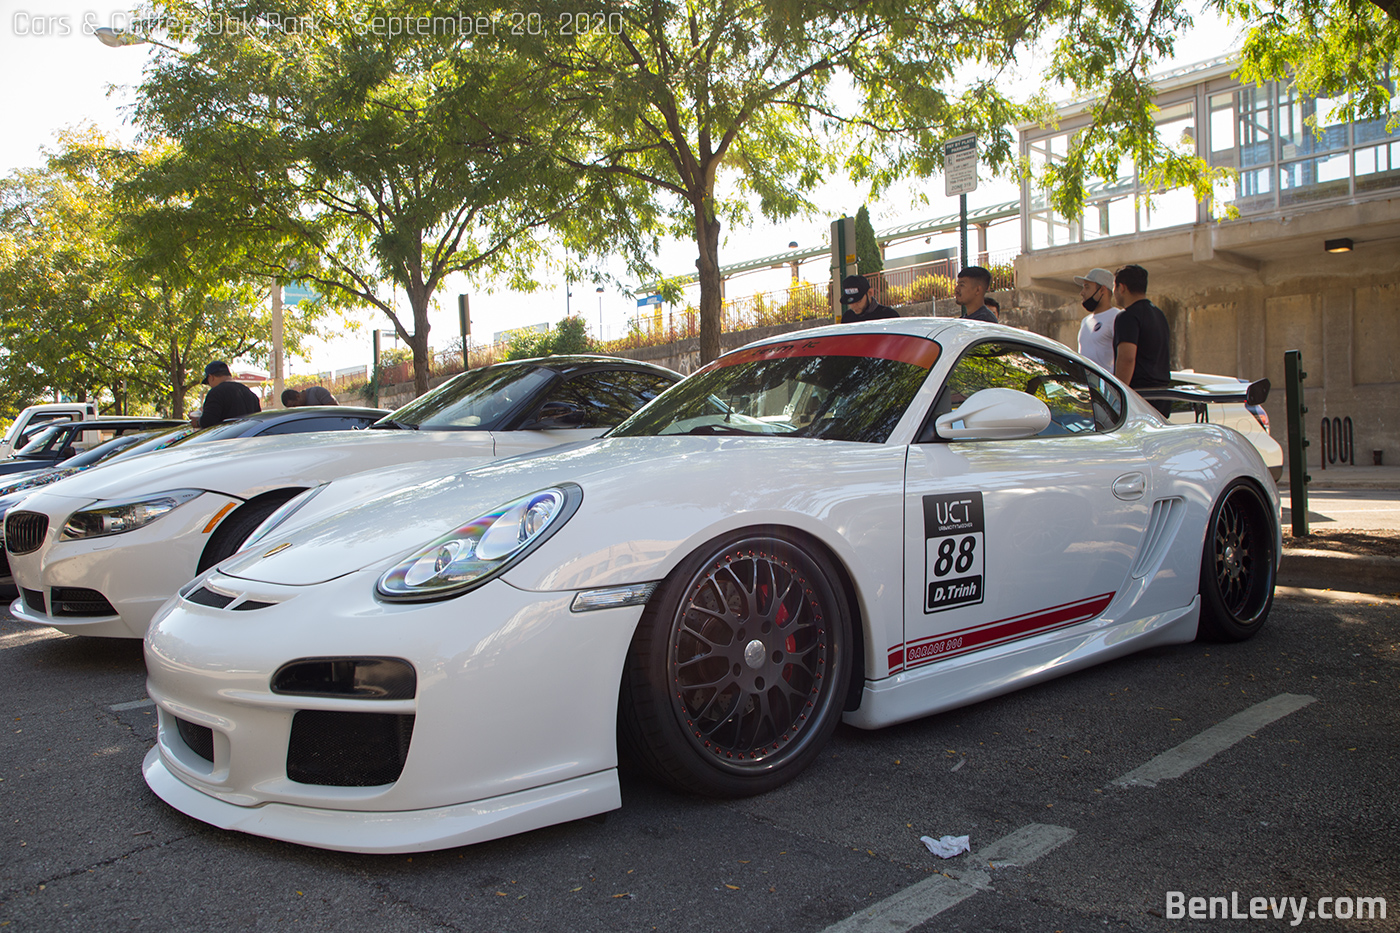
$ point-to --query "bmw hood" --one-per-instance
(289, 459)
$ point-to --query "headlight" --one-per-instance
(115, 516)
(482, 548)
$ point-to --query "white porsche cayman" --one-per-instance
(98, 553)
(875, 522)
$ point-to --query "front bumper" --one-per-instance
(511, 727)
(133, 573)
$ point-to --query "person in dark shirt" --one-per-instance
(860, 305)
(970, 291)
(227, 398)
(311, 395)
(1141, 337)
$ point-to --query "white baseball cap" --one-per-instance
(1098, 277)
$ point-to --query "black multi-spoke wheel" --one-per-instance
(738, 671)
(1239, 565)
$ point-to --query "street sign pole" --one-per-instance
(960, 177)
(464, 316)
(962, 198)
(843, 260)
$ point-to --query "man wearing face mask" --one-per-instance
(1096, 330)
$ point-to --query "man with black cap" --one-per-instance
(859, 304)
(227, 398)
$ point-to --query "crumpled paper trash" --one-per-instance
(946, 847)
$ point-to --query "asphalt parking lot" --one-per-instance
(1104, 800)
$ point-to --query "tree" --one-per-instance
(568, 336)
(103, 285)
(1346, 50)
(705, 109)
(868, 258)
(1107, 50)
(393, 156)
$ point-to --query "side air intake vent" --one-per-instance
(1162, 526)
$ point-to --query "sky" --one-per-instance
(57, 74)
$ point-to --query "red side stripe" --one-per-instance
(973, 638)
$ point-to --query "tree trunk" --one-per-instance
(711, 285)
(418, 298)
(177, 381)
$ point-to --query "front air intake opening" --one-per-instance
(363, 678)
(348, 749)
(77, 601)
(199, 739)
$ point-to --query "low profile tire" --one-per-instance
(1238, 565)
(234, 530)
(738, 672)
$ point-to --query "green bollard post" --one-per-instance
(1298, 477)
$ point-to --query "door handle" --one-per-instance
(1130, 486)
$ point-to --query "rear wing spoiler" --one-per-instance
(1252, 394)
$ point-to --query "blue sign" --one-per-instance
(295, 293)
(648, 300)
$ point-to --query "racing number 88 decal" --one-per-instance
(954, 542)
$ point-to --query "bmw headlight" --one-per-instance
(484, 547)
(116, 516)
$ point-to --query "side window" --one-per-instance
(1080, 400)
(306, 426)
(606, 397)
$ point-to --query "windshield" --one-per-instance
(848, 388)
(102, 451)
(481, 399)
(41, 442)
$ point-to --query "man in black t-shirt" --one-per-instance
(227, 398)
(1141, 338)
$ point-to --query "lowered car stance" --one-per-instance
(98, 553)
(868, 522)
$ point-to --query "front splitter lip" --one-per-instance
(389, 832)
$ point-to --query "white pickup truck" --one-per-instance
(40, 416)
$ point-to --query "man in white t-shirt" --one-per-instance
(1096, 330)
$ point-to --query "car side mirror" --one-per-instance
(558, 415)
(994, 414)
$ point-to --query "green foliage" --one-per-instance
(1345, 50)
(682, 94)
(571, 336)
(394, 356)
(377, 160)
(568, 336)
(107, 290)
(868, 257)
(924, 288)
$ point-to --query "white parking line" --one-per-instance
(134, 704)
(920, 902)
(1201, 748)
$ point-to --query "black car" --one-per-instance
(301, 420)
(68, 439)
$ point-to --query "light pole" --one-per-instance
(600, 312)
